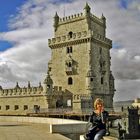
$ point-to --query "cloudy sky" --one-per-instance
(26, 25)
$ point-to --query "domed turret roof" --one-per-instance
(48, 79)
(17, 86)
(87, 7)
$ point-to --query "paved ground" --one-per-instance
(25, 131)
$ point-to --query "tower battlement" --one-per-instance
(71, 18)
(80, 16)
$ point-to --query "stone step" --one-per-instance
(104, 138)
(109, 138)
(114, 132)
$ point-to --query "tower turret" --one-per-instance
(48, 84)
(17, 85)
(87, 15)
(56, 21)
(29, 85)
(87, 10)
(133, 124)
(111, 83)
(104, 22)
(1, 89)
(90, 77)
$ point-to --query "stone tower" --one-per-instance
(133, 127)
(80, 60)
(133, 123)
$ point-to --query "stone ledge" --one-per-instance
(104, 138)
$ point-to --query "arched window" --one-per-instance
(70, 49)
(91, 79)
(70, 81)
(70, 34)
(102, 80)
(69, 64)
(100, 50)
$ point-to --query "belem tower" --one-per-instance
(78, 71)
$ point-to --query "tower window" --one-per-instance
(16, 107)
(7, 107)
(70, 34)
(25, 107)
(102, 80)
(101, 65)
(91, 79)
(69, 49)
(69, 64)
(50, 68)
(100, 50)
(70, 81)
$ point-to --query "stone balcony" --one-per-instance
(78, 38)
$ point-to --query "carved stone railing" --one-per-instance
(67, 38)
(78, 36)
(102, 38)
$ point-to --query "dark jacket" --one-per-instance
(99, 120)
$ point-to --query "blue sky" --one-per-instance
(8, 8)
(124, 3)
(23, 49)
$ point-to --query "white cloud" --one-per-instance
(33, 25)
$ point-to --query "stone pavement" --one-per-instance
(27, 131)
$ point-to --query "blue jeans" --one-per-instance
(99, 134)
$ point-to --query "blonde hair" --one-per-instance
(98, 100)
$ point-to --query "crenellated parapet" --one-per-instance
(76, 37)
(24, 91)
(96, 19)
(71, 18)
(77, 17)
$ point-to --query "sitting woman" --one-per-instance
(98, 119)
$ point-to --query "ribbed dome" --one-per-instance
(48, 80)
(17, 86)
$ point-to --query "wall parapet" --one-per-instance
(79, 16)
(96, 19)
(71, 18)
(21, 92)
